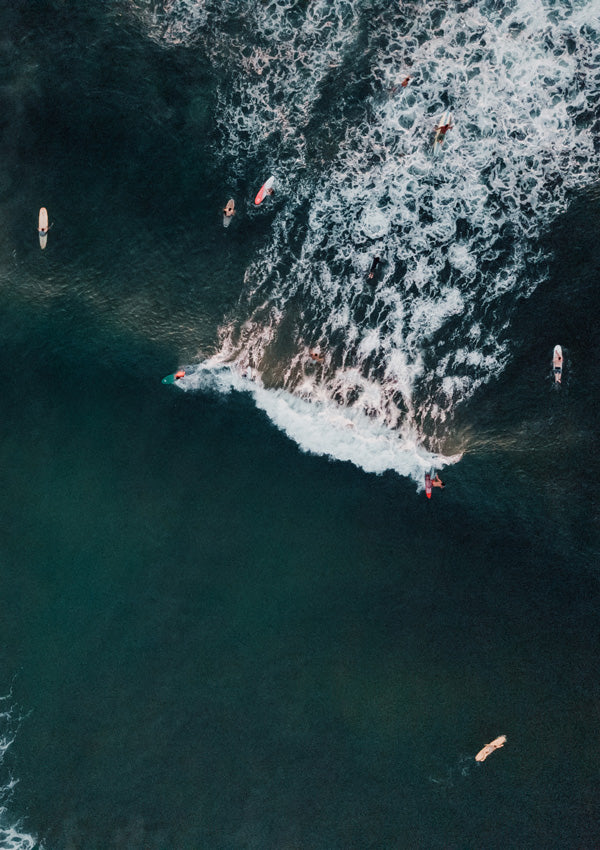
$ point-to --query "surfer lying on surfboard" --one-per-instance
(489, 748)
(557, 364)
(265, 189)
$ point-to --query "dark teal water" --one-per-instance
(211, 639)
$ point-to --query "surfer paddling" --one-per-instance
(228, 212)
(265, 189)
(43, 227)
(557, 364)
(489, 748)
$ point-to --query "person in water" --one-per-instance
(558, 362)
(442, 129)
(271, 191)
(374, 265)
(404, 83)
(314, 355)
(437, 482)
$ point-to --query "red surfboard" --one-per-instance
(264, 190)
(428, 485)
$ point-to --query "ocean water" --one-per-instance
(231, 618)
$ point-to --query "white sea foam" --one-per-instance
(311, 92)
(12, 835)
(321, 427)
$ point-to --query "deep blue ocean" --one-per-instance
(231, 619)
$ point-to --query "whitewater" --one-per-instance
(311, 92)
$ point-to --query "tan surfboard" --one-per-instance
(43, 227)
(228, 212)
(489, 748)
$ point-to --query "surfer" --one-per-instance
(403, 84)
(489, 748)
(441, 131)
(229, 210)
(374, 265)
(557, 363)
(178, 375)
(437, 482)
(314, 355)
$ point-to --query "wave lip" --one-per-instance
(324, 427)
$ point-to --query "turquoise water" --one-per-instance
(211, 639)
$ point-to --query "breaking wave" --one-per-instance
(312, 92)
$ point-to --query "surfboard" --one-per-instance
(439, 137)
(264, 190)
(43, 227)
(228, 212)
(557, 364)
(489, 748)
(176, 376)
(428, 486)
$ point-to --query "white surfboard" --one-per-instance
(43, 227)
(557, 364)
(439, 136)
(228, 212)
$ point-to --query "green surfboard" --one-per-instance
(176, 376)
